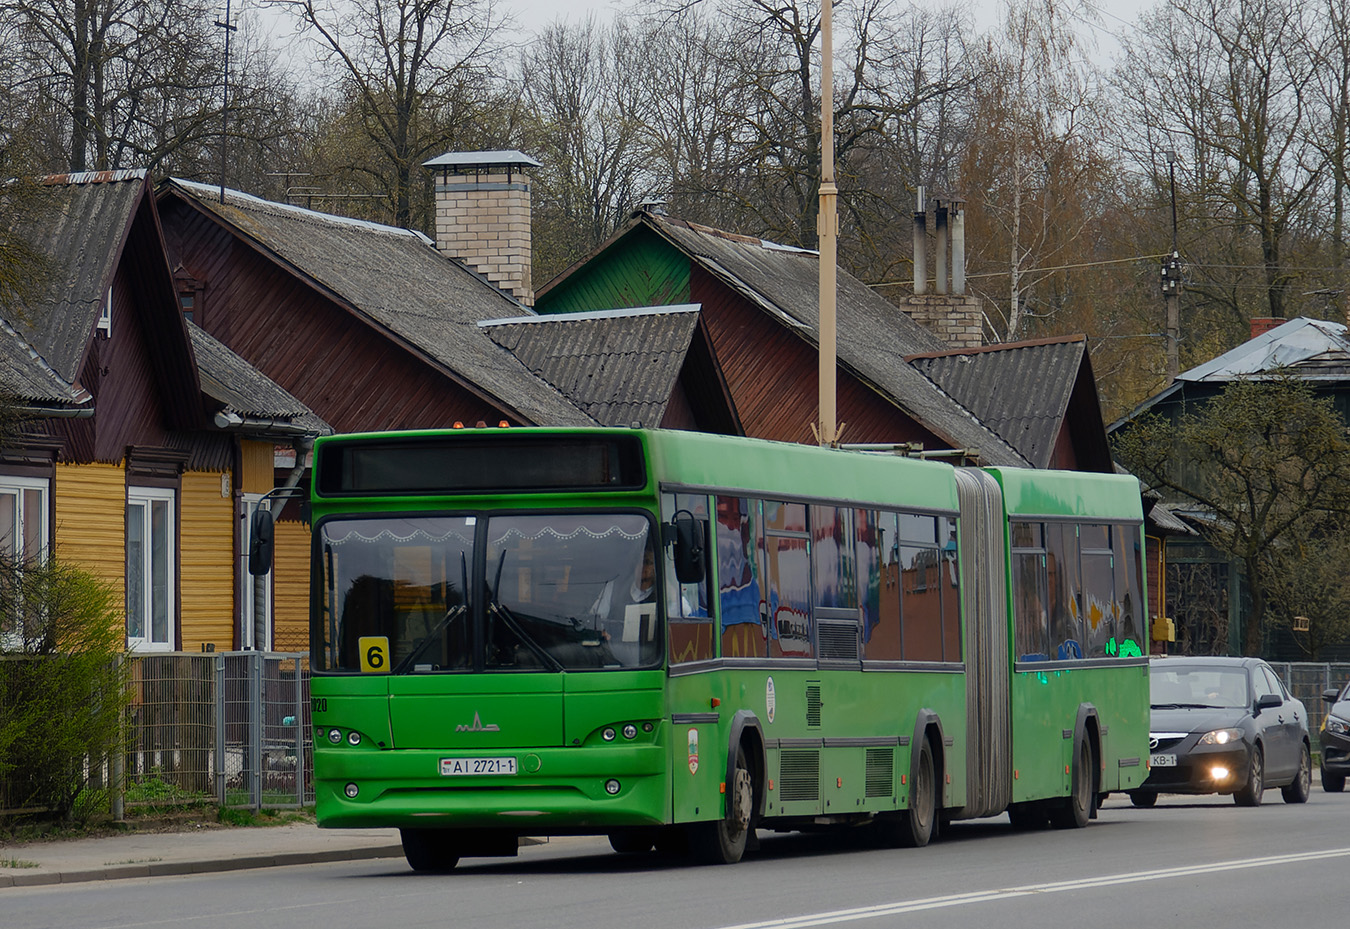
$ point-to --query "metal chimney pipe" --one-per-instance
(958, 223)
(940, 249)
(920, 247)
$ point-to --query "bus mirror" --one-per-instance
(690, 566)
(260, 541)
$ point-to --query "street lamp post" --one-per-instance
(1171, 280)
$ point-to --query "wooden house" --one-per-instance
(143, 441)
(897, 382)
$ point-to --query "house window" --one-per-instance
(23, 538)
(105, 315)
(151, 557)
(253, 634)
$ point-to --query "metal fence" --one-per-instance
(230, 726)
(233, 728)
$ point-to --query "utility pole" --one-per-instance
(225, 96)
(827, 228)
(1171, 280)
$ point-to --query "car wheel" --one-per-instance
(1332, 783)
(1250, 794)
(1298, 791)
(1143, 798)
(723, 841)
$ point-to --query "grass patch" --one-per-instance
(244, 816)
(17, 863)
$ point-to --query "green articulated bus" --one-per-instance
(675, 639)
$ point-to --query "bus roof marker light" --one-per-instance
(503, 424)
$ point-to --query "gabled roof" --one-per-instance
(1314, 349)
(29, 381)
(90, 225)
(873, 335)
(397, 282)
(1021, 390)
(243, 390)
(620, 366)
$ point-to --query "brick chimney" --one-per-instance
(483, 215)
(1263, 324)
(948, 312)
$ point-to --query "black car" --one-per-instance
(1225, 726)
(1335, 739)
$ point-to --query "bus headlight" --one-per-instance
(608, 734)
(351, 790)
(335, 736)
(611, 786)
(630, 731)
(354, 738)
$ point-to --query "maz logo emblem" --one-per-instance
(478, 726)
(1152, 743)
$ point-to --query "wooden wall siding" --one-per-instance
(258, 467)
(310, 345)
(642, 269)
(290, 588)
(772, 374)
(206, 562)
(90, 528)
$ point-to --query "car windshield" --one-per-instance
(1184, 687)
(556, 592)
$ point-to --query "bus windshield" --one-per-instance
(539, 592)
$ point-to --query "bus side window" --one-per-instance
(740, 594)
(689, 623)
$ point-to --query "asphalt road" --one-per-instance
(1202, 861)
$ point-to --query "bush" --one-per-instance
(63, 683)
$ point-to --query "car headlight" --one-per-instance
(1337, 725)
(1221, 737)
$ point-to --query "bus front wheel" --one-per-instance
(1074, 811)
(723, 841)
(431, 851)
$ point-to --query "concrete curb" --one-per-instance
(161, 869)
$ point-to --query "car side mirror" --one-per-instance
(1268, 702)
(690, 550)
(261, 540)
(1330, 694)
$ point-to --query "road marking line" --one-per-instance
(935, 903)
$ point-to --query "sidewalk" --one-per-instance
(188, 852)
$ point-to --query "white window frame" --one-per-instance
(16, 544)
(247, 582)
(147, 640)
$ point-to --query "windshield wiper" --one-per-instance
(1184, 706)
(450, 616)
(511, 623)
(496, 606)
(434, 636)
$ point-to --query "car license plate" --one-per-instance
(451, 767)
(1157, 761)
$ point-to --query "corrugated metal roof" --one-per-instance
(873, 335)
(401, 284)
(243, 389)
(1020, 390)
(79, 221)
(620, 366)
(504, 158)
(1315, 349)
(27, 378)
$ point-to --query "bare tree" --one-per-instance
(410, 74)
(1229, 86)
(589, 116)
(121, 83)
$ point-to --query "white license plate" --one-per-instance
(1157, 761)
(451, 767)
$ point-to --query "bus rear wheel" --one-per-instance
(723, 841)
(430, 851)
(1074, 811)
(913, 828)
